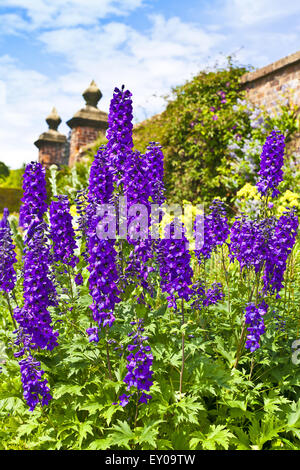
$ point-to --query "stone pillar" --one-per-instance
(87, 124)
(52, 144)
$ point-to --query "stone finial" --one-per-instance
(90, 115)
(53, 120)
(92, 95)
(87, 124)
(52, 144)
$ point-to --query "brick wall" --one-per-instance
(266, 86)
(52, 153)
(80, 137)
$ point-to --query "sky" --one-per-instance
(50, 50)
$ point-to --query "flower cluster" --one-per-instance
(119, 133)
(173, 259)
(62, 233)
(202, 298)
(254, 318)
(102, 282)
(100, 180)
(34, 194)
(154, 160)
(271, 162)
(280, 245)
(102, 256)
(7, 256)
(216, 229)
(34, 318)
(35, 389)
(214, 294)
(249, 242)
(135, 185)
(139, 366)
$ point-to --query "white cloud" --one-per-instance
(148, 62)
(69, 13)
(241, 13)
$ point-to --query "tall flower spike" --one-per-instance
(279, 247)
(271, 162)
(35, 194)
(7, 255)
(119, 133)
(35, 389)
(249, 242)
(216, 229)
(135, 186)
(34, 318)
(173, 259)
(254, 318)
(62, 233)
(102, 256)
(139, 362)
(154, 161)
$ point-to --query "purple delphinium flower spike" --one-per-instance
(173, 259)
(34, 194)
(280, 245)
(35, 389)
(271, 162)
(139, 362)
(7, 255)
(62, 233)
(216, 229)
(154, 162)
(33, 318)
(102, 256)
(119, 133)
(249, 242)
(254, 318)
(214, 294)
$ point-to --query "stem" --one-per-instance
(70, 282)
(239, 349)
(182, 349)
(136, 409)
(226, 279)
(108, 356)
(251, 367)
(10, 309)
(75, 326)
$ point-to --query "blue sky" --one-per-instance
(50, 50)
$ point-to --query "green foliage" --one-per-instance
(253, 406)
(223, 404)
(10, 198)
(212, 141)
(13, 179)
(4, 171)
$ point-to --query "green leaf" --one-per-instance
(217, 436)
(122, 434)
(100, 444)
(65, 389)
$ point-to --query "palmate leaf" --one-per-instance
(121, 434)
(84, 429)
(64, 389)
(27, 428)
(216, 436)
(187, 410)
(11, 404)
(110, 411)
(267, 430)
(148, 434)
(294, 415)
(100, 444)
